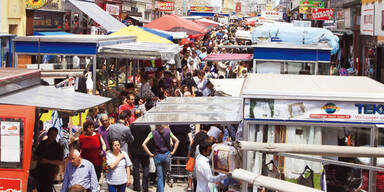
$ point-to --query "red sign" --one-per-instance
(322, 14)
(165, 6)
(238, 7)
(13, 185)
(201, 9)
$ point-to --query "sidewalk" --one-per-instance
(177, 187)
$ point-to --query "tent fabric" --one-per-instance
(175, 35)
(228, 57)
(159, 33)
(288, 33)
(101, 17)
(51, 33)
(175, 23)
(141, 34)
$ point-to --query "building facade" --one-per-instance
(13, 17)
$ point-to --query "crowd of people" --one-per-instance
(111, 145)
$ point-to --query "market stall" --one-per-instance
(21, 99)
(175, 23)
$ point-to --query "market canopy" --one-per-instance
(313, 87)
(175, 23)
(22, 87)
(231, 87)
(142, 50)
(228, 57)
(100, 16)
(207, 23)
(192, 110)
(160, 33)
(141, 35)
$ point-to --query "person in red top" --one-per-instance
(128, 104)
(92, 146)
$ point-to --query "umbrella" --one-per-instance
(175, 23)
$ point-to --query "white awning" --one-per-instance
(228, 86)
(98, 15)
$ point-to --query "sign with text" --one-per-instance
(10, 185)
(112, 9)
(238, 7)
(313, 110)
(165, 6)
(272, 15)
(201, 9)
(306, 6)
(367, 19)
(322, 14)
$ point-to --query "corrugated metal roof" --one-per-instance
(228, 57)
(47, 97)
(313, 87)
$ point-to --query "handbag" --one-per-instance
(190, 164)
(152, 167)
(306, 181)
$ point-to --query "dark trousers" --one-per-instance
(144, 161)
(98, 170)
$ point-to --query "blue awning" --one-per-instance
(158, 33)
(45, 33)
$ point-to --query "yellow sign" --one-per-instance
(36, 4)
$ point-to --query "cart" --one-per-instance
(177, 170)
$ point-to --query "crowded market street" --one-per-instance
(191, 95)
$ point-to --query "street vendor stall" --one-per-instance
(21, 99)
(85, 46)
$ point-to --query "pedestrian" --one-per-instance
(139, 156)
(162, 142)
(128, 103)
(118, 163)
(92, 115)
(92, 146)
(203, 169)
(121, 132)
(103, 129)
(49, 155)
(79, 171)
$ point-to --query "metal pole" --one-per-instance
(244, 186)
(372, 174)
(38, 54)
(94, 75)
(254, 65)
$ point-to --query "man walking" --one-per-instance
(121, 132)
(139, 156)
(103, 129)
(79, 172)
(49, 157)
(162, 141)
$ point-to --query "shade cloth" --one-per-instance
(141, 34)
(175, 23)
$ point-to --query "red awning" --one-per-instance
(175, 23)
(228, 57)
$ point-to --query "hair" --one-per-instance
(204, 146)
(148, 105)
(77, 188)
(75, 151)
(88, 123)
(53, 129)
(112, 141)
(125, 114)
(205, 127)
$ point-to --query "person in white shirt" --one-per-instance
(203, 169)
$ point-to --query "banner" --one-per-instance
(322, 14)
(165, 6)
(201, 9)
(112, 9)
(306, 6)
(238, 7)
(313, 110)
(367, 19)
(272, 15)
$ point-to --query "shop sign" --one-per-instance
(112, 9)
(238, 7)
(165, 6)
(313, 110)
(322, 14)
(201, 9)
(7, 184)
(35, 4)
(272, 15)
(306, 6)
(367, 19)
(148, 6)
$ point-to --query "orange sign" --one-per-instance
(10, 185)
(201, 9)
(238, 7)
(165, 6)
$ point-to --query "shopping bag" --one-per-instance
(152, 167)
(190, 164)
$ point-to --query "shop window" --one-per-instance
(11, 141)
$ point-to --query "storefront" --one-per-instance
(6, 50)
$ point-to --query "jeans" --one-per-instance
(162, 164)
(144, 161)
(117, 188)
